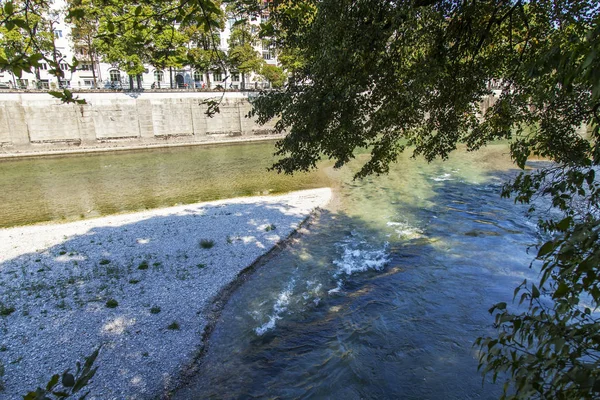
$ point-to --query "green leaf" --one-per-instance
(138, 11)
(68, 380)
(561, 290)
(547, 247)
(563, 225)
(9, 8)
(53, 381)
(535, 293)
(589, 59)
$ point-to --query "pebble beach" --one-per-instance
(138, 285)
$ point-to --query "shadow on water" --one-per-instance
(59, 292)
(365, 309)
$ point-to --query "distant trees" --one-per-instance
(242, 55)
(84, 32)
(27, 38)
(132, 34)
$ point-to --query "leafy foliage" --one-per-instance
(67, 385)
(242, 56)
(273, 74)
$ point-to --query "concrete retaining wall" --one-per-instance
(38, 123)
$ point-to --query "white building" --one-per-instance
(110, 77)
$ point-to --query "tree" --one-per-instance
(242, 56)
(288, 22)
(273, 74)
(203, 53)
(85, 31)
(27, 38)
(395, 76)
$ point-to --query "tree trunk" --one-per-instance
(91, 54)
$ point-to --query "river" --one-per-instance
(383, 295)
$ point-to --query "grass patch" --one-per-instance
(143, 265)
(201, 265)
(134, 281)
(62, 253)
(174, 326)
(104, 261)
(155, 310)
(207, 243)
(112, 303)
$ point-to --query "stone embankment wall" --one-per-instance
(36, 123)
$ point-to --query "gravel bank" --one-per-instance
(162, 267)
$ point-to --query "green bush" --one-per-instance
(207, 243)
(112, 303)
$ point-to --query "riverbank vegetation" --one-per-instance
(396, 76)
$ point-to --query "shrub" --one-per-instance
(174, 326)
(112, 303)
(207, 243)
(104, 261)
(143, 265)
(155, 310)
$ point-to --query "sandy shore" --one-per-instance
(159, 269)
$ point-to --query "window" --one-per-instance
(85, 67)
(217, 75)
(235, 76)
(88, 82)
(57, 33)
(115, 76)
(198, 76)
(159, 76)
(266, 55)
(43, 66)
(64, 67)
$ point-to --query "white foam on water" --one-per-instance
(280, 306)
(444, 177)
(336, 289)
(405, 231)
(358, 256)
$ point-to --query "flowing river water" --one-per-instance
(382, 296)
